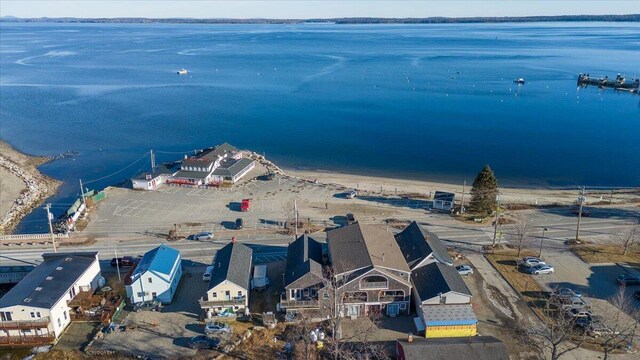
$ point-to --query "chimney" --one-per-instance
(233, 239)
(382, 256)
(305, 240)
(410, 337)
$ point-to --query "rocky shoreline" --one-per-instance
(35, 190)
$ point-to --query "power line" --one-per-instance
(119, 171)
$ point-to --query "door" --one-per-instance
(393, 309)
(227, 295)
(353, 310)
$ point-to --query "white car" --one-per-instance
(207, 273)
(351, 194)
(542, 269)
(217, 328)
(531, 261)
(464, 269)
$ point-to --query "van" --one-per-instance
(207, 273)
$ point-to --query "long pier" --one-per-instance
(619, 83)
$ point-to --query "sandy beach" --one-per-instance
(22, 187)
(417, 188)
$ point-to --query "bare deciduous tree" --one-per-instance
(629, 237)
(619, 324)
(521, 233)
(554, 338)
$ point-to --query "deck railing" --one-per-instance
(25, 324)
(216, 303)
(26, 340)
(307, 303)
(373, 285)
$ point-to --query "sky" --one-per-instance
(310, 9)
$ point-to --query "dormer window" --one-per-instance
(59, 268)
(38, 288)
(26, 300)
(49, 277)
(68, 259)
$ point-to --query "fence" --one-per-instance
(32, 237)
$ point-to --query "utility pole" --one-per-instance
(295, 214)
(495, 225)
(153, 161)
(82, 192)
(115, 251)
(581, 199)
(541, 240)
(464, 185)
(49, 216)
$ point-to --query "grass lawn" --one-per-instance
(594, 254)
(505, 262)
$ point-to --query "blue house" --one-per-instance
(156, 277)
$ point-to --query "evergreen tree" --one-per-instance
(484, 192)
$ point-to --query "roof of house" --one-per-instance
(161, 169)
(198, 162)
(436, 278)
(160, 260)
(445, 196)
(218, 151)
(232, 167)
(232, 263)
(416, 244)
(191, 174)
(50, 280)
(448, 314)
(475, 347)
(304, 256)
(358, 246)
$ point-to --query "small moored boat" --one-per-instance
(182, 72)
(519, 81)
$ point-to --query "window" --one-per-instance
(154, 294)
(38, 288)
(38, 315)
(33, 315)
(59, 268)
(403, 306)
(443, 299)
(65, 314)
(59, 323)
(26, 331)
(150, 280)
(49, 277)
(26, 300)
(325, 295)
(5, 316)
(239, 293)
(214, 294)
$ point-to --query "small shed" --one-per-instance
(444, 201)
(260, 279)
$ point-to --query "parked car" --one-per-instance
(464, 269)
(201, 236)
(576, 210)
(541, 269)
(217, 328)
(207, 273)
(628, 279)
(579, 313)
(203, 342)
(565, 292)
(531, 261)
(351, 194)
(568, 303)
(124, 261)
(350, 219)
(239, 224)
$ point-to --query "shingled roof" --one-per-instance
(304, 257)
(475, 347)
(232, 263)
(435, 278)
(360, 246)
(417, 244)
(48, 282)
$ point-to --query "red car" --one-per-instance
(244, 206)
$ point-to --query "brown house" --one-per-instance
(369, 271)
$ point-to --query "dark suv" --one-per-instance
(238, 224)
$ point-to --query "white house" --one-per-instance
(36, 310)
(230, 281)
(152, 180)
(442, 301)
(155, 277)
(444, 201)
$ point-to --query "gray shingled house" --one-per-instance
(420, 247)
(468, 348)
(304, 281)
(369, 271)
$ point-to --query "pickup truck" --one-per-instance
(124, 261)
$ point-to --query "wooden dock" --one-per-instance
(619, 83)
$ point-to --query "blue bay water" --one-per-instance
(432, 102)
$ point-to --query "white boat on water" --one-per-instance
(519, 81)
(182, 72)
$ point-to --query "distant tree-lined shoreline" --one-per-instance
(353, 20)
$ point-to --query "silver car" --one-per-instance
(542, 269)
(464, 269)
(216, 328)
